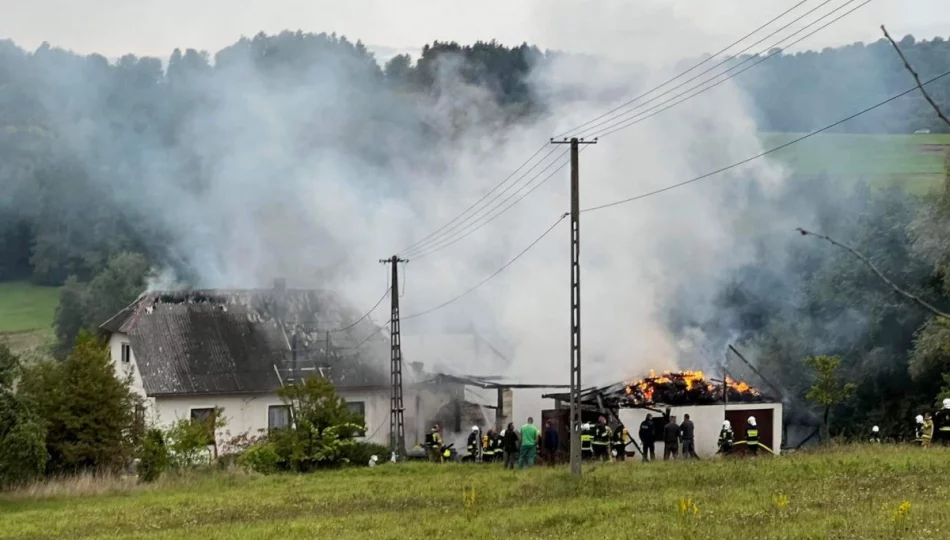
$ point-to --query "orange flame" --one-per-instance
(644, 391)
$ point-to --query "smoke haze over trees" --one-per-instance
(213, 172)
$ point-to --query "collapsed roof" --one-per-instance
(670, 389)
(242, 341)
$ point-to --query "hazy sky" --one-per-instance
(155, 27)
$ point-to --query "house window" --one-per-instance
(126, 353)
(205, 416)
(278, 417)
(359, 409)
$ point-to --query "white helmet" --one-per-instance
(474, 428)
(585, 426)
(946, 403)
(920, 419)
(751, 420)
(374, 459)
(503, 432)
(726, 424)
(875, 429)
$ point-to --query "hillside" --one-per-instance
(913, 161)
(26, 314)
(852, 492)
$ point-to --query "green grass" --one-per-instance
(850, 492)
(26, 314)
(913, 161)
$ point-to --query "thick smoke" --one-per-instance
(314, 172)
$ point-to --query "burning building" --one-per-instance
(672, 395)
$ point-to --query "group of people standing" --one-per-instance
(933, 429)
(683, 436)
(511, 446)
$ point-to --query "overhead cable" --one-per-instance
(765, 153)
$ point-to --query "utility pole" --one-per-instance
(575, 428)
(397, 424)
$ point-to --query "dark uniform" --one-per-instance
(601, 442)
(671, 440)
(620, 442)
(587, 439)
(726, 440)
(648, 439)
(473, 445)
(752, 438)
(942, 426)
(489, 447)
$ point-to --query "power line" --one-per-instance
(485, 196)
(707, 59)
(474, 218)
(444, 244)
(361, 343)
(767, 152)
(618, 123)
(490, 276)
(367, 314)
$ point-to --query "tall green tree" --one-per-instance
(22, 437)
(828, 390)
(84, 306)
(87, 410)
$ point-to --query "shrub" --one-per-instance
(153, 456)
(87, 411)
(22, 436)
(359, 453)
(261, 458)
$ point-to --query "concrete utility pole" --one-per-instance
(397, 424)
(575, 426)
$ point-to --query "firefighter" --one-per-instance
(434, 444)
(474, 443)
(601, 440)
(620, 442)
(875, 434)
(648, 439)
(928, 430)
(726, 438)
(752, 436)
(919, 429)
(489, 444)
(587, 438)
(941, 422)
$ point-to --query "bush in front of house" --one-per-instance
(261, 458)
(361, 452)
(192, 441)
(87, 412)
(153, 456)
(22, 436)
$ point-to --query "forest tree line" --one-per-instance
(62, 144)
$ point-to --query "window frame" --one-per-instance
(289, 416)
(125, 353)
(361, 406)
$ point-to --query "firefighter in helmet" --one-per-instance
(726, 438)
(752, 436)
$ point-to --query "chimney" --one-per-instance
(280, 284)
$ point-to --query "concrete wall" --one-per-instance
(707, 420)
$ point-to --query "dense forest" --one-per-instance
(96, 155)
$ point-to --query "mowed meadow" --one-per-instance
(858, 492)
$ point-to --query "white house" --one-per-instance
(190, 352)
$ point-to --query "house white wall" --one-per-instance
(707, 422)
(248, 413)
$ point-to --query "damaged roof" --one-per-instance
(240, 341)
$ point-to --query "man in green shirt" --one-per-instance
(529, 444)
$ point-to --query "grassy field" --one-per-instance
(26, 314)
(913, 161)
(852, 492)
